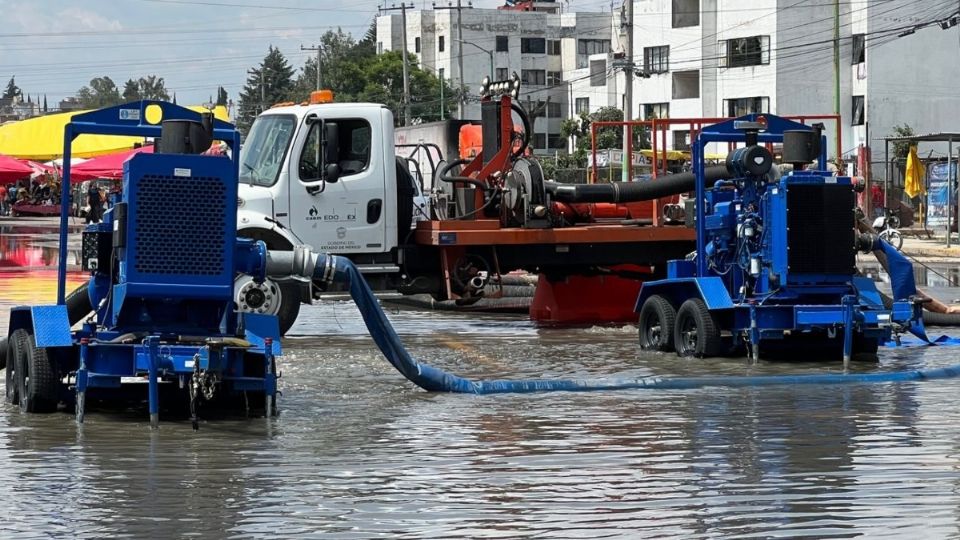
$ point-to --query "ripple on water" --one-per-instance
(358, 452)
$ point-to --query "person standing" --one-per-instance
(4, 203)
(95, 200)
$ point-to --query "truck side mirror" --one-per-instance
(331, 173)
(331, 143)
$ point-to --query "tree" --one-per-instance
(270, 83)
(153, 87)
(12, 89)
(102, 92)
(902, 148)
(45, 109)
(607, 136)
(221, 97)
(131, 91)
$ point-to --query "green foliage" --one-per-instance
(101, 92)
(607, 136)
(221, 97)
(12, 89)
(131, 91)
(355, 73)
(268, 84)
(902, 148)
(149, 87)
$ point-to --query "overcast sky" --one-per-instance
(56, 46)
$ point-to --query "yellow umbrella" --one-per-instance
(41, 138)
(914, 184)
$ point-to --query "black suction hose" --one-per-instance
(623, 192)
(460, 179)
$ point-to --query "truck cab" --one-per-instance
(323, 175)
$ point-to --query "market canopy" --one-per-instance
(41, 138)
(108, 166)
(13, 169)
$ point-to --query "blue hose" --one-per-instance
(341, 270)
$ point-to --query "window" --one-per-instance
(352, 150)
(379, 47)
(859, 49)
(416, 44)
(554, 110)
(656, 59)
(581, 104)
(533, 45)
(266, 148)
(503, 43)
(557, 142)
(857, 116)
(686, 13)
(742, 106)
(553, 47)
(503, 74)
(539, 140)
(656, 110)
(681, 140)
(686, 84)
(747, 51)
(598, 73)
(554, 78)
(440, 44)
(534, 77)
(593, 46)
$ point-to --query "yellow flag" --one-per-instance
(915, 184)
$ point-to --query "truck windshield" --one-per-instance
(262, 155)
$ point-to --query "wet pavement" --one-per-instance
(358, 452)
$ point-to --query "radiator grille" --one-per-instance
(175, 216)
(820, 229)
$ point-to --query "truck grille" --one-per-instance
(820, 229)
(180, 225)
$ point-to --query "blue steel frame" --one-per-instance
(129, 119)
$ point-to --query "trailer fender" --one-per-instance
(50, 325)
(709, 289)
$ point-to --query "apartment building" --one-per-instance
(718, 58)
(543, 45)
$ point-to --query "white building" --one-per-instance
(545, 47)
(718, 58)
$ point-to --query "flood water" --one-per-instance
(358, 452)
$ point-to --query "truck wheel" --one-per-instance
(38, 384)
(696, 332)
(657, 319)
(16, 347)
(865, 349)
(279, 298)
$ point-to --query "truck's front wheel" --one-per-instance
(279, 298)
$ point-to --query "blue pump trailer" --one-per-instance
(774, 271)
(159, 303)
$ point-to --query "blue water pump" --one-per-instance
(159, 304)
(775, 267)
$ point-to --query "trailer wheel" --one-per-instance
(865, 349)
(38, 384)
(696, 332)
(657, 320)
(16, 347)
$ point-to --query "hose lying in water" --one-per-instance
(333, 268)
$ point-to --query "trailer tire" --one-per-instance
(696, 332)
(38, 383)
(16, 347)
(289, 305)
(655, 327)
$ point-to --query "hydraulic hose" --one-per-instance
(332, 268)
(479, 184)
(623, 192)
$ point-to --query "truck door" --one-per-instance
(337, 187)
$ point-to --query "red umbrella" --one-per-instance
(108, 166)
(13, 169)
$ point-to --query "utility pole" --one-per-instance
(316, 48)
(628, 94)
(836, 57)
(442, 84)
(406, 72)
(463, 93)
